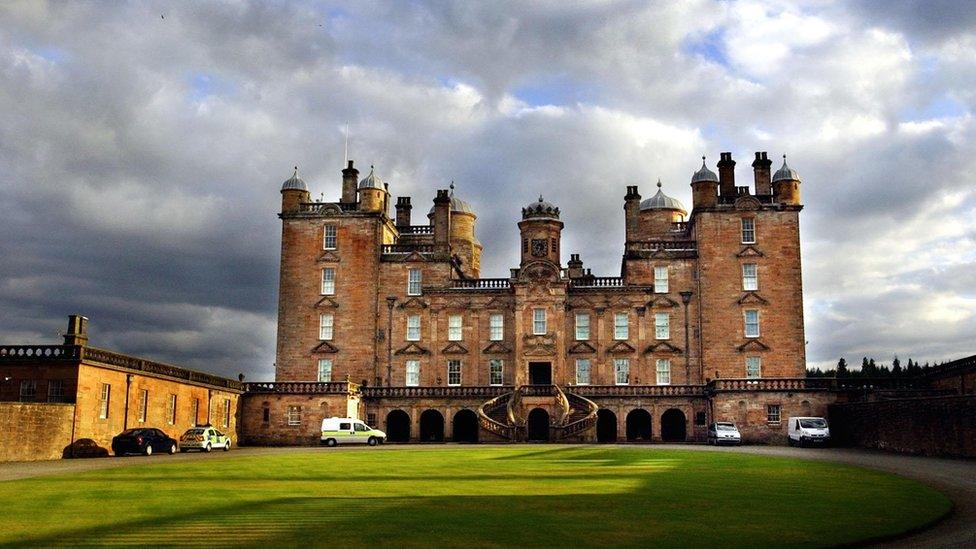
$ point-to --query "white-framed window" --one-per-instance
(773, 413)
(453, 372)
(329, 238)
(325, 369)
(751, 322)
(454, 328)
(662, 326)
(326, 321)
(171, 410)
(750, 277)
(294, 416)
(328, 281)
(195, 412)
(621, 371)
(55, 390)
(143, 404)
(661, 279)
(663, 371)
(753, 367)
(582, 326)
(413, 282)
(582, 371)
(28, 390)
(103, 401)
(413, 327)
(748, 230)
(621, 326)
(495, 369)
(539, 323)
(413, 373)
(226, 413)
(496, 327)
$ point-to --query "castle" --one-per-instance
(391, 321)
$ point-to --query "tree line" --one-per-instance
(870, 368)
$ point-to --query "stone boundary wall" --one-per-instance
(930, 426)
(34, 431)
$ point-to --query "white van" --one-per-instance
(347, 430)
(807, 430)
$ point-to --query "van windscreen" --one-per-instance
(816, 423)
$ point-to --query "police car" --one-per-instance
(204, 438)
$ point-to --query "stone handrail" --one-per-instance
(303, 387)
(637, 390)
(482, 284)
(14, 353)
(416, 229)
(577, 402)
(407, 248)
(149, 366)
(769, 384)
(597, 282)
(490, 424)
(658, 245)
(434, 392)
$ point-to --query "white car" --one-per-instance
(807, 430)
(723, 432)
(205, 439)
(347, 430)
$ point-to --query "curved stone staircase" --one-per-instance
(504, 415)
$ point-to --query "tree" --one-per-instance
(842, 368)
(896, 367)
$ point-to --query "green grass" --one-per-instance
(469, 496)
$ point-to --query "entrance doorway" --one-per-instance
(538, 425)
(398, 426)
(606, 426)
(431, 426)
(639, 426)
(465, 426)
(673, 427)
(540, 373)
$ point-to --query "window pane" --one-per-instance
(772, 413)
(329, 237)
(497, 325)
(662, 326)
(104, 402)
(495, 372)
(661, 280)
(753, 367)
(328, 281)
(621, 328)
(752, 323)
(454, 328)
(325, 369)
(582, 326)
(413, 282)
(663, 372)
(582, 371)
(748, 230)
(325, 326)
(539, 322)
(413, 373)
(413, 328)
(621, 367)
(454, 372)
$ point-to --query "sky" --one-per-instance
(143, 146)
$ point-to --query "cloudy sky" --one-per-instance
(142, 147)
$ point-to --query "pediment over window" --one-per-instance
(413, 257)
(620, 348)
(748, 203)
(750, 251)
(751, 298)
(662, 347)
(414, 303)
(496, 348)
(411, 349)
(498, 303)
(582, 348)
(327, 303)
(540, 350)
(454, 348)
(456, 305)
(328, 256)
(752, 345)
(579, 303)
(620, 302)
(661, 302)
(325, 348)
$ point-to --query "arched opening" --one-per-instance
(538, 425)
(606, 426)
(639, 426)
(465, 426)
(398, 426)
(673, 428)
(431, 426)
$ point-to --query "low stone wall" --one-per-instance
(34, 431)
(931, 426)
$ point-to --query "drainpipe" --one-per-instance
(686, 299)
(390, 300)
(125, 415)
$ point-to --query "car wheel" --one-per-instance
(227, 446)
(182, 450)
(331, 442)
(208, 448)
(789, 441)
(172, 449)
(148, 450)
(371, 441)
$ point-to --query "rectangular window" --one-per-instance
(413, 373)
(325, 326)
(539, 326)
(661, 279)
(753, 367)
(495, 372)
(748, 230)
(28, 390)
(454, 328)
(663, 371)
(621, 370)
(496, 327)
(226, 413)
(582, 326)
(621, 326)
(662, 326)
(772, 413)
(103, 401)
(195, 413)
(750, 277)
(294, 416)
(752, 323)
(143, 404)
(171, 411)
(413, 328)
(328, 281)
(329, 237)
(55, 390)
(325, 370)
(453, 372)
(582, 371)
(413, 282)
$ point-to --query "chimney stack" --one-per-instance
(631, 211)
(761, 169)
(77, 330)
(726, 175)
(403, 208)
(350, 179)
(442, 222)
(575, 266)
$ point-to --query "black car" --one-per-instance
(143, 441)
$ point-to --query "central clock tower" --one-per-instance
(540, 230)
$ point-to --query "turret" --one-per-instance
(541, 232)
(760, 169)
(726, 175)
(350, 176)
(463, 242)
(786, 185)
(631, 209)
(704, 188)
(403, 208)
(657, 215)
(372, 193)
(294, 192)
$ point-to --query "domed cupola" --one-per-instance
(786, 185)
(540, 209)
(661, 201)
(457, 205)
(371, 181)
(786, 173)
(704, 174)
(294, 183)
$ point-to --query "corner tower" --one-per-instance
(541, 232)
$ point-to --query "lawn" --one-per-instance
(468, 496)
